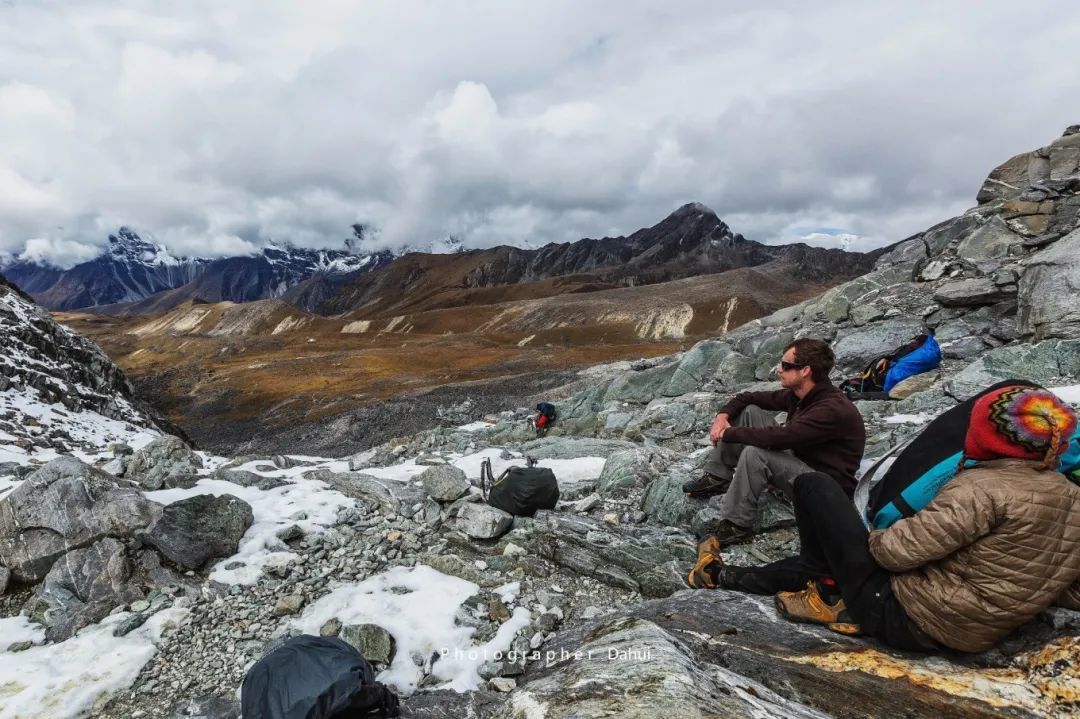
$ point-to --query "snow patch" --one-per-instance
(69, 679)
(417, 606)
(307, 503)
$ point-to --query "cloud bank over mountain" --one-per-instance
(214, 129)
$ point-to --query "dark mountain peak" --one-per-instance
(691, 209)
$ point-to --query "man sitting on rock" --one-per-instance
(824, 432)
(997, 545)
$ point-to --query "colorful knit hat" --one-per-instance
(1021, 422)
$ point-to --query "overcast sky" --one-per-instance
(215, 126)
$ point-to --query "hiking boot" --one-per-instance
(708, 565)
(809, 607)
(705, 485)
(728, 533)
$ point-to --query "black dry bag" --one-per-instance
(521, 491)
(311, 677)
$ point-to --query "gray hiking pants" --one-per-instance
(751, 469)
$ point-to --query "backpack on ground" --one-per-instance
(925, 464)
(520, 491)
(310, 677)
(545, 417)
(918, 355)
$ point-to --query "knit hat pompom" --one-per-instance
(1020, 422)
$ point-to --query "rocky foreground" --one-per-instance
(142, 578)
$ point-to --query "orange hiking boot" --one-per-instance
(808, 606)
(709, 563)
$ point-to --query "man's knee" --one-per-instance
(754, 458)
(754, 416)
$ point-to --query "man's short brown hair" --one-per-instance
(816, 355)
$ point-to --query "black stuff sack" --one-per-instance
(520, 491)
(311, 677)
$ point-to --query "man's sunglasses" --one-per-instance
(788, 366)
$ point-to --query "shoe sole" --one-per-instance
(803, 620)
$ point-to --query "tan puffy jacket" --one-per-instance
(999, 543)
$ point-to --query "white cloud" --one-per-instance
(218, 127)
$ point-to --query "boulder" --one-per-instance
(195, 530)
(1049, 363)
(573, 447)
(640, 386)
(856, 347)
(913, 384)
(696, 367)
(481, 521)
(972, 292)
(992, 240)
(165, 463)
(372, 641)
(650, 560)
(721, 653)
(244, 478)
(1048, 290)
(632, 667)
(630, 470)
(83, 587)
(388, 494)
(66, 505)
(444, 483)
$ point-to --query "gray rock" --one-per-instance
(129, 624)
(730, 654)
(165, 463)
(116, 466)
(696, 367)
(372, 641)
(83, 587)
(444, 483)
(195, 530)
(388, 494)
(666, 503)
(645, 559)
(916, 383)
(573, 447)
(635, 668)
(629, 470)
(855, 347)
(1048, 291)
(288, 604)
(992, 240)
(972, 292)
(481, 521)
(1047, 363)
(244, 478)
(5, 578)
(66, 505)
(642, 386)
(736, 369)
(331, 628)
(907, 252)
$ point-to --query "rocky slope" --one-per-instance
(45, 364)
(135, 276)
(578, 612)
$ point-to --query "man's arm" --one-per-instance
(810, 426)
(1070, 598)
(778, 401)
(958, 515)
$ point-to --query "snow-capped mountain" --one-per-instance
(132, 270)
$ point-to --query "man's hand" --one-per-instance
(718, 426)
